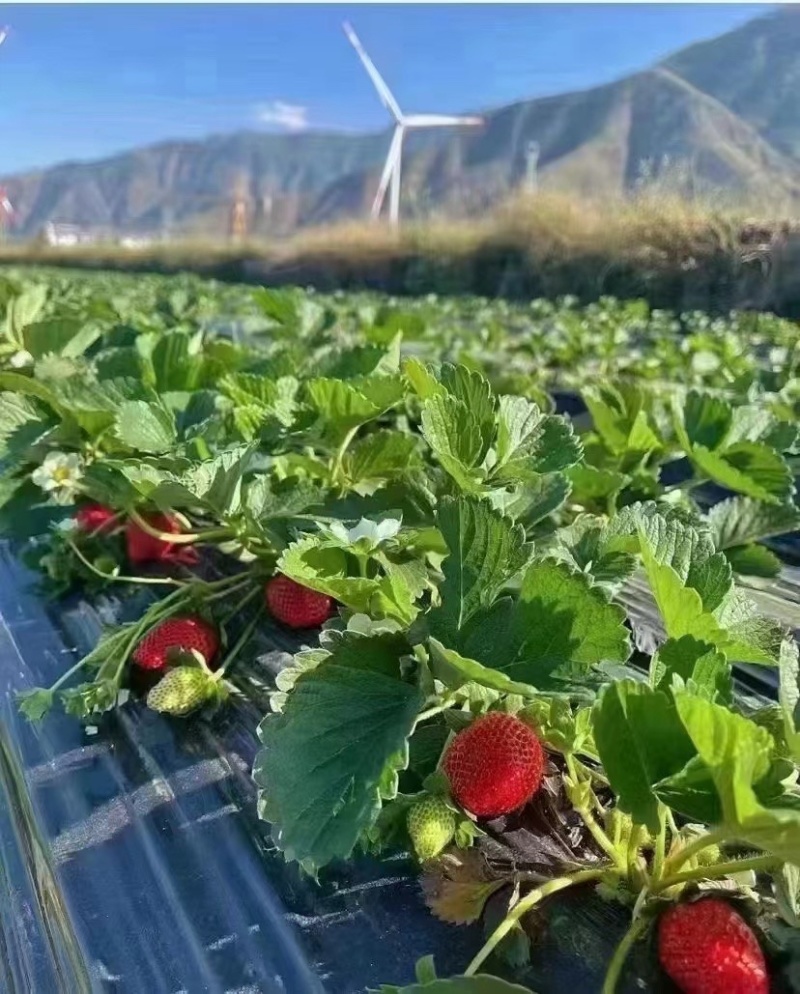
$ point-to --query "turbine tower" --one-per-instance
(390, 178)
(531, 166)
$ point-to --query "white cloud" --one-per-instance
(292, 117)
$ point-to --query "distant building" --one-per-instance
(67, 235)
(63, 235)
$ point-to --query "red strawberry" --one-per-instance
(707, 948)
(185, 634)
(495, 765)
(295, 605)
(94, 518)
(145, 548)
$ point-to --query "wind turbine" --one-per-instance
(403, 122)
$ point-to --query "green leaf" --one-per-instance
(146, 427)
(534, 500)
(454, 435)
(750, 468)
(641, 740)
(57, 334)
(271, 398)
(486, 550)
(214, 484)
(706, 420)
(18, 383)
(592, 484)
(455, 670)
(35, 703)
(789, 694)
(738, 753)
(741, 520)
(698, 665)
(267, 499)
(22, 423)
(474, 392)
(530, 442)
(383, 455)
(343, 406)
(479, 984)
(421, 379)
(324, 565)
(753, 560)
(325, 755)
(25, 309)
(177, 361)
(584, 546)
(95, 405)
(564, 625)
(610, 416)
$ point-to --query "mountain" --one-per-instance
(719, 115)
(755, 72)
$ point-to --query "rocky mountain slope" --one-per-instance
(720, 115)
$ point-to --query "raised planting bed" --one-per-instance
(358, 656)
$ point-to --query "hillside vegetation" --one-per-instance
(677, 252)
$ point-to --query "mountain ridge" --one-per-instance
(717, 115)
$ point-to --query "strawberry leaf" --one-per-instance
(698, 666)
(751, 468)
(146, 427)
(486, 550)
(789, 694)
(741, 520)
(640, 740)
(738, 753)
(564, 625)
(325, 755)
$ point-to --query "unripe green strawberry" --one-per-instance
(709, 856)
(182, 690)
(431, 825)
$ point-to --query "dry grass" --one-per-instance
(650, 228)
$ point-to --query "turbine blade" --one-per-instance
(388, 170)
(3, 34)
(384, 92)
(440, 121)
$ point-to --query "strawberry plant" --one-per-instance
(480, 693)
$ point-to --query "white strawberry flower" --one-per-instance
(21, 358)
(369, 534)
(59, 475)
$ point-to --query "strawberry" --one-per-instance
(495, 765)
(145, 548)
(182, 690)
(94, 518)
(431, 825)
(707, 948)
(187, 634)
(295, 605)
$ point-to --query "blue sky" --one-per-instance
(82, 82)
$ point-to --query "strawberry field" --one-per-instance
(505, 592)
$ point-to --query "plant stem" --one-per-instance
(660, 846)
(716, 870)
(124, 579)
(637, 927)
(591, 823)
(336, 469)
(238, 607)
(523, 907)
(240, 643)
(448, 702)
(65, 676)
(180, 538)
